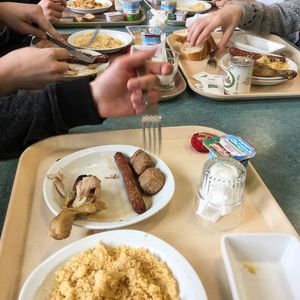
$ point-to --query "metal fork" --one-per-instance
(212, 61)
(151, 124)
(93, 37)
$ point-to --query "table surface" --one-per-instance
(271, 125)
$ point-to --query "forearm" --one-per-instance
(279, 18)
(26, 119)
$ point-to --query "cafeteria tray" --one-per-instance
(287, 89)
(100, 20)
(180, 83)
(25, 244)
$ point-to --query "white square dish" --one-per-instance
(262, 266)
(254, 43)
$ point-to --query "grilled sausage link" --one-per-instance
(98, 59)
(130, 183)
(254, 55)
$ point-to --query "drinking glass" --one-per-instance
(167, 82)
(220, 194)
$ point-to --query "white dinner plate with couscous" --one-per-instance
(106, 41)
(115, 264)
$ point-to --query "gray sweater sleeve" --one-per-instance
(280, 18)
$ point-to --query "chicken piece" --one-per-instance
(57, 179)
(61, 226)
(83, 199)
(86, 188)
(152, 180)
(140, 161)
(264, 70)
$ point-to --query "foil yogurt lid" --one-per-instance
(230, 146)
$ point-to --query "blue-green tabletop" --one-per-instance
(272, 126)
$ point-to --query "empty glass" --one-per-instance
(167, 82)
(219, 196)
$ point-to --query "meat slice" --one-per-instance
(98, 59)
(152, 180)
(140, 161)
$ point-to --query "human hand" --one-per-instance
(26, 19)
(220, 3)
(227, 17)
(31, 68)
(53, 9)
(117, 91)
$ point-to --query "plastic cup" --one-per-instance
(220, 194)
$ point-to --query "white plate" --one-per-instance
(99, 161)
(184, 4)
(83, 70)
(122, 36)
(274, 257)
(260, 80)
(190, 286)
(254, 43)
(78, 10)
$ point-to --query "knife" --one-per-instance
(73, 50)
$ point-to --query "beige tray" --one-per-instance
(287, 89)
(100, 20)
(25, 243)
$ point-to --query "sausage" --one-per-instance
(254, 55)
(98, 59)
(133, 192)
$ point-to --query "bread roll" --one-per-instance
(195, 53)
(180, 35)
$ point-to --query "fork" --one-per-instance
(93, 37)
(151, 124)
(212, 61)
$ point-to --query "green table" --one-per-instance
(271, 125)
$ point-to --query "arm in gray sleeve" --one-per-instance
(280, 18)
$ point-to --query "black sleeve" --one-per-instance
(11, 40)
(27, 118)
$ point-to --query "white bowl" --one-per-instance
(254, 43)
(262, 266)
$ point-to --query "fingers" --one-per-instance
(57, 7)
(61, 67)
(199, 31)
(225, 37)
(138, 103)
(159, 68)
(29, 29)
(46, 26)
(146, 83)
(60, 2)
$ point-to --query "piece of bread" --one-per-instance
(212, 43)
(180, 35)
(89, 18)
(195, 53)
